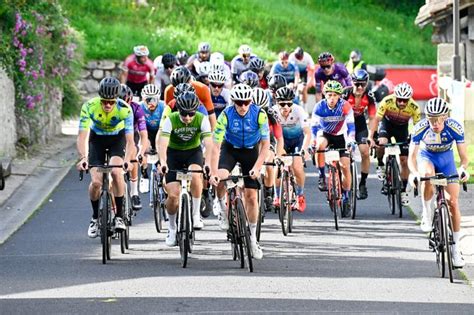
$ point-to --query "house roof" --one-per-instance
(434, 10)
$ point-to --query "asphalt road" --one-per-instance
(376, 263)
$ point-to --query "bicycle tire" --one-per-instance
(157, 203)
(261, 210)
(353, 191)
(436, 242)
(290, 213)
(238, 244)
(448, 237)
(244, 232)
(183, 230)
(285, 202)
(332, 195)
(398, 189)
(103, 228)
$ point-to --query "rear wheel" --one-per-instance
(244, 233)
(183, 230)
(157, 203)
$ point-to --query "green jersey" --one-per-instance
(186, 137)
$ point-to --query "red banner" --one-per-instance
(423, 81)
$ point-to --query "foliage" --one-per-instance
(382, 30)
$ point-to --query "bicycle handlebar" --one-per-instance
(436, 176)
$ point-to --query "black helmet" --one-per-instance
(180, 75)
(285, 94)
(126, 93)
(250, 78)
(276, 81)
(168, 60)
(360, 75)
(181, 88)
(109, 88)
(299, 53)
(256, 65)
(187, 101)
(182, 57)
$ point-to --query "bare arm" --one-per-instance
(215, 157)
(212, 121)
(412, 153)
(162, 148)
(462, 152)
(81, 143)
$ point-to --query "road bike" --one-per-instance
(156, 191)
(392, 184)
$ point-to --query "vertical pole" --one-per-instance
(456, 36)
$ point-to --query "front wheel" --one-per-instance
(157, 203)
(448, 238)
(183, 230)
(244, 233)
(353, 191)
(285, 202)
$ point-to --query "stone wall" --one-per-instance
(95, 71)
(7, 116)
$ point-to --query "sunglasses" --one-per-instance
(153, 100)
(360, 84)
(183, 113)
(217, 86)
(402, 100)
(108, 101)
(283, 104)
(242, 103)
(326, 67)
(246, 56)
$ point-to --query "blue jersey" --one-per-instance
(334, 121)
(289, 72)
(242, 131)
(221, 101)
(153, 118)
(438, 142)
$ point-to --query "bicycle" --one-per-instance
(156, 191)
(440, 239)
(262, 208)
(184, 218)
(238, 233)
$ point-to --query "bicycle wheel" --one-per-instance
(292, 202)
(183, 230)
(397, 187)
(332, 194)
(244, 232)
(104, 224)
(448, 238)
(232, 235)
(238, 247)
(157, 203)
(353, 191)
(261, 210)
(435, 242)
(285, 202)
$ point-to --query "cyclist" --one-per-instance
(182, 75)
(203, 55)
(220, 95)
(241, 62)
(180, 148)
(274, 83)
(436, 133)
(393, 115)
(257, 65)
(219, 64)
(285, 68)
(241, 135)
(154, 110)
(297, 137)
(162, 79)
(138, 70)
(141, 141)
(261, 98)
(108, 123)
(203, 70)
(329, 70)
(333, 118)
(249, 78)
(355, 62)
(362, 102)
(304, 62)
(182, 57)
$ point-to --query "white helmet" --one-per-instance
(204, 47)
(204, 68)
(150, 90)
(217, 58)
(436, 107)
(260, 97)
(158, 63)
(403, 91)
(140, 51)
(217, 67)
(241, 92)
(245, 49)
(217, 77)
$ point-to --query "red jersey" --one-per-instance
(366, 102)
(136, 71)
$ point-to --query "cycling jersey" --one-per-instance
(438, 142)
(237, 66)
(153, 119)
(366, 102)
(339, 74)
(171, 108)
(202, 92)
(221, 101)
(295, 122)
(137, 72)
(242, 131)
(162, 80)
(139, 122)
(353, 67)
(273, 123)
(336, 121)
(289, 72)
(102, 123)
(303, 64)
(186, 137)
(389, 110)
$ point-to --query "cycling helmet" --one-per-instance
(150, 90)
(333, 86)
(182, 57)
(276, 81)
(355, 55)
(250, 78)
(260, 97)
(187, 101)
(217, 77)
(283, 55)
(168, 60)
(109, 88)
(179, 75)
(256, 64)
(217, 58)
(215, 67)
(204, 68)
(126, 93)
(245, 49)
(181, 88)
(360, 75)
(436, 107)
(140, 51)
(299, 53)
(325, 58)
(403, 90)
(285, 94)
(204, 47)
(241, 92)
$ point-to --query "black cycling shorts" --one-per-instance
(361, 128)
(399, 132)
(137, 87)
(229, 156)
(181, 159)
(98, 144)
(152, 138)
(336, 142)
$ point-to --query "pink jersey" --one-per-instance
(136, 71)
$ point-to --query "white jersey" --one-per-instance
(302, 64)
(237, 66)
(295, 122)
